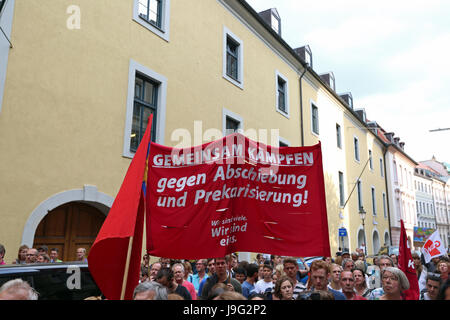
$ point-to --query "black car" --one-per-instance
(54, 281)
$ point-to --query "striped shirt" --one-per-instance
(299, 287)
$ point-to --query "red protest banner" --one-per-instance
(235, 194)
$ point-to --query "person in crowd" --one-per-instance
(233, 263)
(174, 296)
(240, 274)
(188, 273)
(348, 264)
(444, 292)
(43, 258)
(394, 282)
(54, 253)
(279, 270)
(143, 276)
(442, 268)
(21, 255)
(260, 271)
(230, 295)
(361, 287)
(291, 268)
(335, 276)
(2, 254)
(394, 259)
(248, 286)
(328, 260)
(434, 283)
(383, 263)
(316, 295)
(259, 259)
(257, 296)
(32, 255)
(201, 274)
(145, 265)
(221, 275)
(303, 271)
(266, 283)
(154, 268)
(348, 286)
(42, 249)
(417, 264)
(275, 260)
(150, 290)
(178, 275)
(345, 254)
(211, 264)
(373, 274)
(165, 277)
(17, 289)
(284, 289)
(165, 262)
(217, 290)
(354, 256)
(81, 254)
(319, 279)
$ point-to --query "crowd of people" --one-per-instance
(272, 277)
(40, 254)
(347, 276)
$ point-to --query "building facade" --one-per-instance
(78, 81)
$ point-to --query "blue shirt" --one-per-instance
(337, 295)
(195, 280)
(247, 288)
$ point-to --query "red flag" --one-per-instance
(406, 264)
(235, 194)
(121, 233)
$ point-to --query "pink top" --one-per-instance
(190, 287)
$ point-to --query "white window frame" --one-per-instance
(382, 168)
(160, 108)
(384, 204)
(240, 81)
(370, 160)
(360, 196)
(313, 103)
(6, 22)
(164, 31)
(341, 173)
(278, 75)
(230, 114)
(339, 136)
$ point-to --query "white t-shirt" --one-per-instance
(261, 286)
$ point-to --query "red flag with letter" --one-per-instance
(406, 264)
(120, 238)
(235, 194)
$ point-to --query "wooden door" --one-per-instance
(69, 227)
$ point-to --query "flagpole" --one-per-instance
(127, 266)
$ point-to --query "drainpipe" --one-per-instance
(301, 107)
(387, 194)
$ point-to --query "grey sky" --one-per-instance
(392, 55)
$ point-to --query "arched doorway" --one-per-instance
(69, 227)
(376, 242)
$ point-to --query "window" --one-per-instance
(231, 122)
(359, 189)
(370, 160)
(283, 142)
(146, 95)
(341, 189)
(233, 59)
(338, 136)
(145, 104)
(374, 202)
(356, 145)
(314, 119)
(153, 15)
(282, 103)
(384, 205)
(281, 95)
(150, 10)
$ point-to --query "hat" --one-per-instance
(345, 251)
